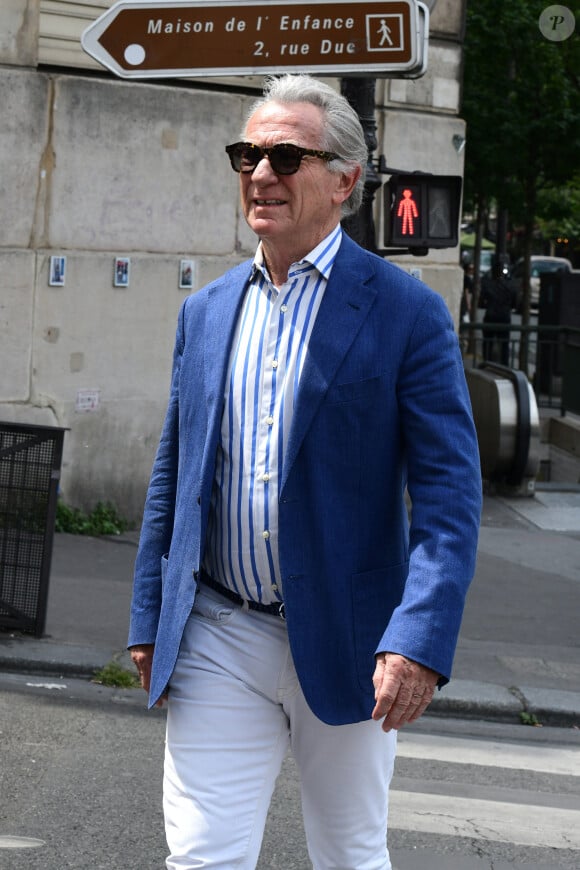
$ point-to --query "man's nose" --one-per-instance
(263, 169)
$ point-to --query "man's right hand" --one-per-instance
(142, 657)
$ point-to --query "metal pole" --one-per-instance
(360, 93)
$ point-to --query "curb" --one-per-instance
(57, 660)
(461, 699)
(468, 699)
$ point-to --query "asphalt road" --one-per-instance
(80, 787)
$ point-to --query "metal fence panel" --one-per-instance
(571, 381)
(547, 355)
(30, 462)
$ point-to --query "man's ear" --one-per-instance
(346, 184)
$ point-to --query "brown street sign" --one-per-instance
(187, 38)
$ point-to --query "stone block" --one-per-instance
(24, 156)
(447, 18)
(142, 167)
(438, 88)
(19, 33)
(16, 313)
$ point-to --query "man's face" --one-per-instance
(292, 212)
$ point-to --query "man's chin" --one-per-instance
(264, 226)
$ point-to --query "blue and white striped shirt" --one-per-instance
(267, 357)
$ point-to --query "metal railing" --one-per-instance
(30, 462)
(549, 356)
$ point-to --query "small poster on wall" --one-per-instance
(186, 274)
(87, 401)
(122, 270)
(57, 273)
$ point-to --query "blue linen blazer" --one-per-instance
(382, 408)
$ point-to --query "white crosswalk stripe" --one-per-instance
(485, 820)
(517, 756)
(498, 812)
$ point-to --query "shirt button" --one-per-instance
(270, 421)
(266, 477)
(274, 363)
(274, 587)
(283, 309)
(266, 534)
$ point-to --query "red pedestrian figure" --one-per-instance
(407, 210)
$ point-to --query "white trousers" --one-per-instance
(235, 706)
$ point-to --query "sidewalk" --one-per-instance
(519, 647)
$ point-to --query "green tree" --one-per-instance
(559, 210)
(521, 103)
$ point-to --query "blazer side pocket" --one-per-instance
(375, 595)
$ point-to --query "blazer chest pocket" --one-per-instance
(355, 391)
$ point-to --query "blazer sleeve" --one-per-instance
(159, 513)
(444, 485)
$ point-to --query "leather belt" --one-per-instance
(276, 609)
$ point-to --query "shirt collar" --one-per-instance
(321, 257)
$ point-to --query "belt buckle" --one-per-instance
(282, 612)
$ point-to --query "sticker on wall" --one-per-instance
(186, 274)
(57, 272)
(87, 401)
(122, 271)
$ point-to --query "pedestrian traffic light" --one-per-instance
(422, 210)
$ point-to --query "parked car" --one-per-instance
(539, 265)
(485, 259)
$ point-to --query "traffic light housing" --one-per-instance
(422, 210)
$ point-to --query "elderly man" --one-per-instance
(281, 599)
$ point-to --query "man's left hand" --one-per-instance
(403, 689)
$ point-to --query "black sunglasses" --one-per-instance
(284, 158)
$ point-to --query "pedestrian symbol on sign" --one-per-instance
(385, 32)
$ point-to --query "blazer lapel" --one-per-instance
(347, 300)
(224, 301)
